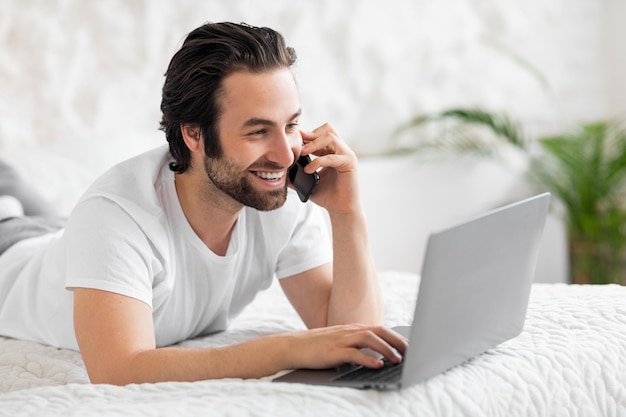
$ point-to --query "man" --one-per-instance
(172, 245)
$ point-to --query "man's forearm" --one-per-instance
(253, 359)
(320, 348)
(355, 296)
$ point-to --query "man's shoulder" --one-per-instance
(144, 166)
(132, 188)
(132, 185)
(133, 178)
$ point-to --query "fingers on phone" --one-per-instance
(322, 141)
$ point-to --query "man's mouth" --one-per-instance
(269, 176)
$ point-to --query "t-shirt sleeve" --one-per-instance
(107, 250)
(310, 244)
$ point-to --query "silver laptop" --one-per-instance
(473, 295)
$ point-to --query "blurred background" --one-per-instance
(80, 89)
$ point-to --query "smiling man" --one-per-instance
(174, 243)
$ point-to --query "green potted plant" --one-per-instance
(584, 169)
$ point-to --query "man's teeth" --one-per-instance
(270, 175)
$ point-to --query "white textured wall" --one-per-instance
(81, 79)
(73, 68)
(614, 52)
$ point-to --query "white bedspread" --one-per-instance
(570, 360)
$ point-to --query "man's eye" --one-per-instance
(257, 132)
(292, 126)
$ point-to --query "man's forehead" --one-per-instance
(266, 95)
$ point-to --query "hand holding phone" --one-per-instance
(303, 183)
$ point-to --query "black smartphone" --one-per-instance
(303, 183)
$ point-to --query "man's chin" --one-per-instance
(268, 201)
(276, 202)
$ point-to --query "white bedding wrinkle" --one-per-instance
(568, 361)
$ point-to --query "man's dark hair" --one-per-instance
(194, 79)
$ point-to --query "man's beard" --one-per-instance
(227, 177)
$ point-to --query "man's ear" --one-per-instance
(192, 137)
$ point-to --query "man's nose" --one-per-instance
(286, 148)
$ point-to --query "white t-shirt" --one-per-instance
(128, 235)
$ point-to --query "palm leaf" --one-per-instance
(586, 170)
(458, 132)
(500, 124)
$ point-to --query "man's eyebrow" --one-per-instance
(256, 121)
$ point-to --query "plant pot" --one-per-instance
(596, 262)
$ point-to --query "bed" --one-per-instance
(80, 91)
(568, 361)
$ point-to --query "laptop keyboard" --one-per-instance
(388, 373)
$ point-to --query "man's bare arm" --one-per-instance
(349, 293)
(355, 297)
(115, 334)
(345, 291)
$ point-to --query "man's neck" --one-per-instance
(211, 214)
